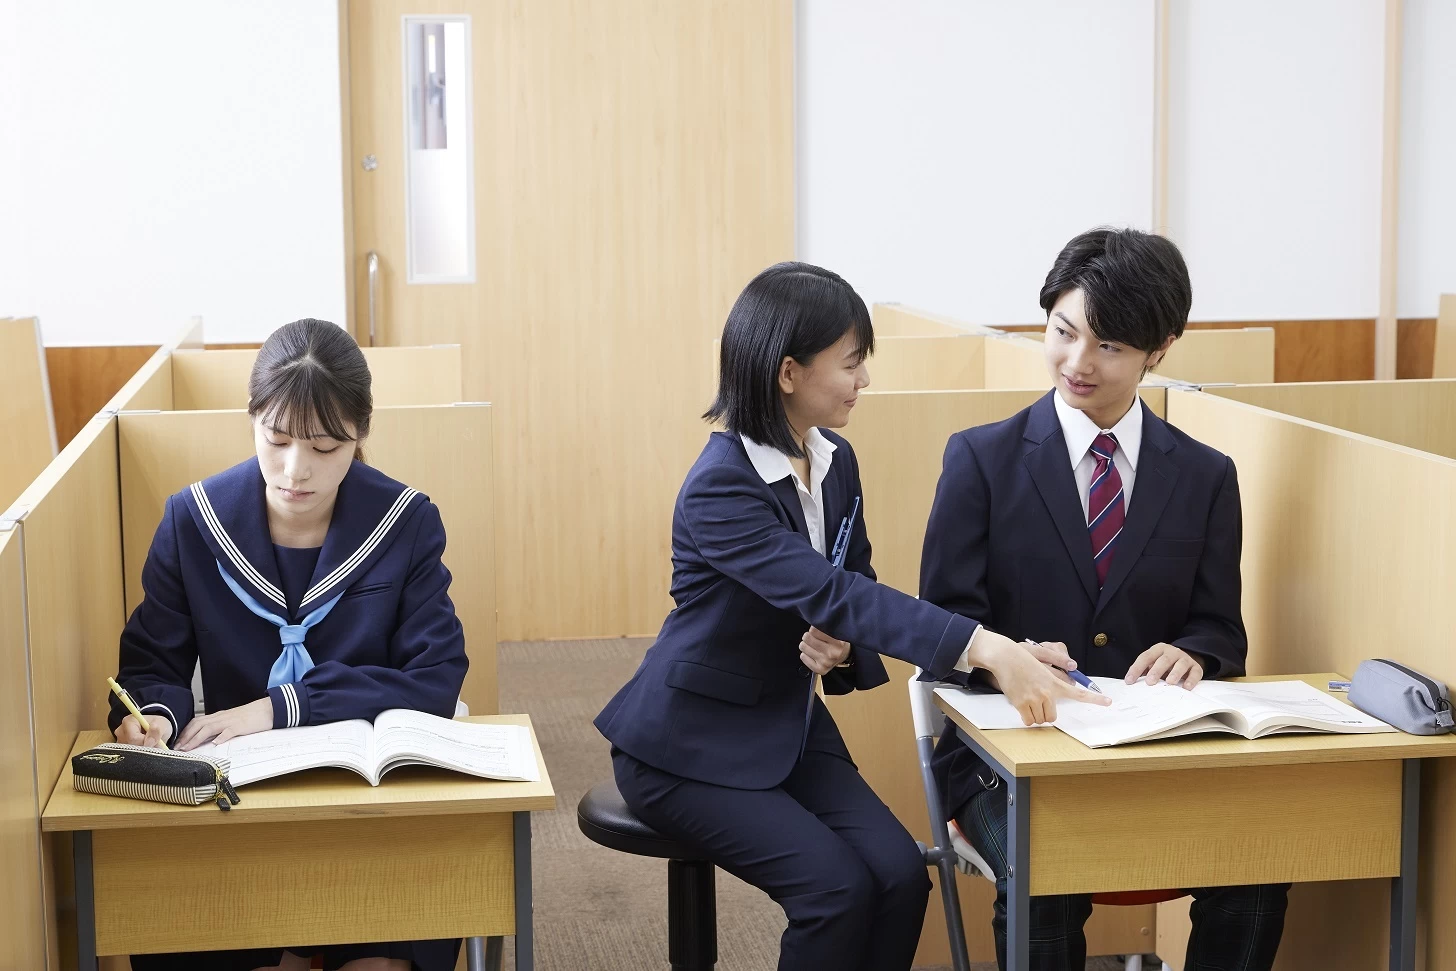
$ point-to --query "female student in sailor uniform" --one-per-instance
(719, 739)
(310, 588)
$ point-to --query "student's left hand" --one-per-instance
(820, 652)
(1167, 663)
(255, 716)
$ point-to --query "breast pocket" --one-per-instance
(714, 683)
(1173, 547)
(367, 590)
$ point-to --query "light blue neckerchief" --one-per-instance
(294, 661)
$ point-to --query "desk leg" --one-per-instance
(85, 901)
(525, 928)
(1018, 874)
(1403, 887)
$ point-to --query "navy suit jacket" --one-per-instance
(1007, 546)
(721, 695)
(392, 641)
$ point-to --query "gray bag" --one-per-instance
(1401, 697)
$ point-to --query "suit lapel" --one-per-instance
(1046, 460)
(1157, 474)
(788, 497)
(836, 507)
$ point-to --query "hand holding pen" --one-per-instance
(1054, 653)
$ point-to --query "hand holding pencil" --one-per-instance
(138, 729)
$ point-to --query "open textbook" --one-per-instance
(1142, 712)
(397, 737)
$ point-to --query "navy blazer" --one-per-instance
(392, 641)
(1007, 545)
(721, 695)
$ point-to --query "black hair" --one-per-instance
(789, 310)
(1134, 285)
(311, 380)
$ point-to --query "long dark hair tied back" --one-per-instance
(311, 380)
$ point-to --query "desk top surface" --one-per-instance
(1046, 751)
(313, 794)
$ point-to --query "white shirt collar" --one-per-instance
(1080, 431)
(773, 465)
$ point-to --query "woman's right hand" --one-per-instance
(130, 731)
(1031, 678)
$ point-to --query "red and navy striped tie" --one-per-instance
(1105, 508)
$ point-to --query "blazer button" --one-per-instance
(1100, 640)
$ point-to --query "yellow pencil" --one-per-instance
(120, 692)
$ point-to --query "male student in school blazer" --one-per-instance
(1111, 539)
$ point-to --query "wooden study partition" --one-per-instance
(70, 519)
(1443, 364)
(1015, 361)
(1349, 553)
(150, 388)
(22, 922)
(1419, 414)
(27, 424)
(898, 320)
(442, 450)
(1235, 356)
(1242, 356)
(899, 440)
(211, 380)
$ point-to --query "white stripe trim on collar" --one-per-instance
(362, 553)
(230, 548)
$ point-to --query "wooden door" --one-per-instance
(632, 170)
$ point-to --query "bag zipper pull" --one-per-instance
(232, 793)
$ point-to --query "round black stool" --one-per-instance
(692, 906)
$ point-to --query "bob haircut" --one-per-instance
(311, 380)
(789, 310)
(1135, 286)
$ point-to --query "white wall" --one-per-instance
(947, 150)
(175, 157)
(1427, 246)
(1274, 155)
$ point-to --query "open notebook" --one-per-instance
(397, 737)
(1142, 712)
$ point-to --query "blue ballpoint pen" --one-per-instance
(1076, 676)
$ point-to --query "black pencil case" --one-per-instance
(154, 774)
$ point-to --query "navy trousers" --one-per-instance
(1234, 928)
(851, 881)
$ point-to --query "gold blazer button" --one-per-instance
(1100, 640)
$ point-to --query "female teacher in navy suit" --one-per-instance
(309, 587)
(719, 740)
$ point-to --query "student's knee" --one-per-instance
(844, 890)
(902, 874)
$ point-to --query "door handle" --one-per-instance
(373, 262)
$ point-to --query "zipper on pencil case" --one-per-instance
(1436, 697)
(224, 794)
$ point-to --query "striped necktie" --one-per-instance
(1105, 506)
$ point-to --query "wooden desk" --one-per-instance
(317, 857)
(1284, 809)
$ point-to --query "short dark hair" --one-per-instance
(1135, 285)
(311, 379)
(789, 310)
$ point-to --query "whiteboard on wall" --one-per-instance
(184, 159)
(1426, 251)
(1274, 155)
(947, 150)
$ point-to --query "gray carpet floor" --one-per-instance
(596, 909)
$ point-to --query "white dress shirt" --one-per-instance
(1080, 432)
(773, 465)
